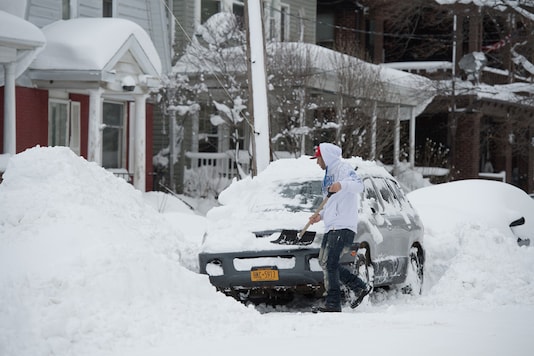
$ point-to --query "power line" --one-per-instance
(446, 37)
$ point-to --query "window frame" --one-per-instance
(70, 137)
(121, 154)
(55, 125)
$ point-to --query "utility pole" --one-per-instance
(257, 84)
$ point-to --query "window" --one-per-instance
(208, 9)
(371, 202)
(64, 124)
(65, 11)
(107, 8)
(284, 23)
(58, 123)
(398, 193)
(387, 194)
(276, 20)
(238, 9)
(325, 29)
(113, 136)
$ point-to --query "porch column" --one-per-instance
(396, 143)
(94, 151)
(139, 144)
(412, 138)
(10, 120)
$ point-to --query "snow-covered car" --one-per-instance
(241, 255)
(506, 207)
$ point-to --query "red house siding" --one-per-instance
(32, 123)
(32, 118)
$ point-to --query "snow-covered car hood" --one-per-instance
(259, 204)
(447, 205)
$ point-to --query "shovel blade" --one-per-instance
(291, 237)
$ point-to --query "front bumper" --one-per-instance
(298, 270)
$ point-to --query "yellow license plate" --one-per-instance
(264, 274)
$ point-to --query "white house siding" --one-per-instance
(184, 11)
(307, 9)
(134, 10)
(159, 31)
(43, 12)
(89, 8)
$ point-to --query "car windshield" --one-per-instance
(303, 196)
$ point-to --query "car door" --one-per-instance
(398, 223)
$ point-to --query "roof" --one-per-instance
(20, 41)
(397, 88)
(95, 44)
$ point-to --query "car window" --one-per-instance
(387, 194)
(398, 193)
(304, 196)
(371, 200)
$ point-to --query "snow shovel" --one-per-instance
(302, 237)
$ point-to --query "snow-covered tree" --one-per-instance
(179, 101)
(290, 71)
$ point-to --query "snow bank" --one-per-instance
(472, 255)
(90, 266)
(86, 265)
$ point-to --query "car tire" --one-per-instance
(414, 273)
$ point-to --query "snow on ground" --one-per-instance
(90, 266)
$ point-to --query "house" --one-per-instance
(477, 53)
(328, 87)
(84, 79)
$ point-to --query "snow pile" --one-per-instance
(87, 265)
(90, 266)
(477, 266)
(472, 254)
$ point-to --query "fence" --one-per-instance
(222, 162)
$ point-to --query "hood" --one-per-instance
(330, 153)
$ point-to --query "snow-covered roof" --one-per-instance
(410, 91)
(96, 44)
(20, 41)
(519, 93)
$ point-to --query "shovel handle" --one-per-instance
(301, 233)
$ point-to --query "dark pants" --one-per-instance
(334, 243)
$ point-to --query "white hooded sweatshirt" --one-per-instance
(341, 210)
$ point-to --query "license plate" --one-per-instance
(262, 274)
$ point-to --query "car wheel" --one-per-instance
(414, 273)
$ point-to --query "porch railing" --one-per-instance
(222, 162)
(496, 176)
(122, 173)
